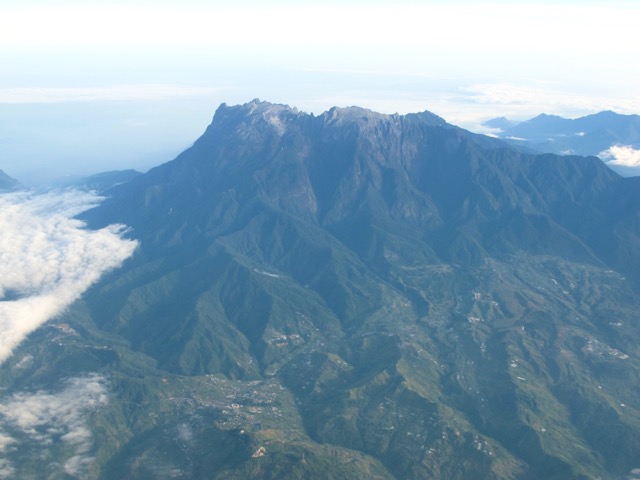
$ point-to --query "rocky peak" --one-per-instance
(256, 113)
(341, 115)
(8, 183)
(363, 116)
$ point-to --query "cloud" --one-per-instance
(475, 103)
(42, 421)
(118, 93)
(185, 434)
(469, 105)
(546, 98)
(6, 470)
(47, 258)
(622, 155)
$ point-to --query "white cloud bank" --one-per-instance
(43, 420)
(622, 155)
(47, 259)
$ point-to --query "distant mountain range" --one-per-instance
(357, 295)
(7, 183)
(590, 135)
(98, 182)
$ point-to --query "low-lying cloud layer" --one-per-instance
(43, 421)
(622, 155)
(48, 259)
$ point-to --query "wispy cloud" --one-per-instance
(41, 420)
(6, 469)
(48, 259)
(547, 98)
(470, 105)
(476, 103)
(622, 155)
(117, 93)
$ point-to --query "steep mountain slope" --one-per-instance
(358, 295)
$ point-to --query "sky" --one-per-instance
(89, 86)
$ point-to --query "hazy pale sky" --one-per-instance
(88, 86)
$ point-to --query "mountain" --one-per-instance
(7, 183)
(590, 135)
(355, 295)
(106, 180)
(501, 123)
(98, 182)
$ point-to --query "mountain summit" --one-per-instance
(359, 295)
(8, 183)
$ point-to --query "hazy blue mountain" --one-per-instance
(589, 135)
(8, 183)
(106, 180)
(501, 123)
(358, 295)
